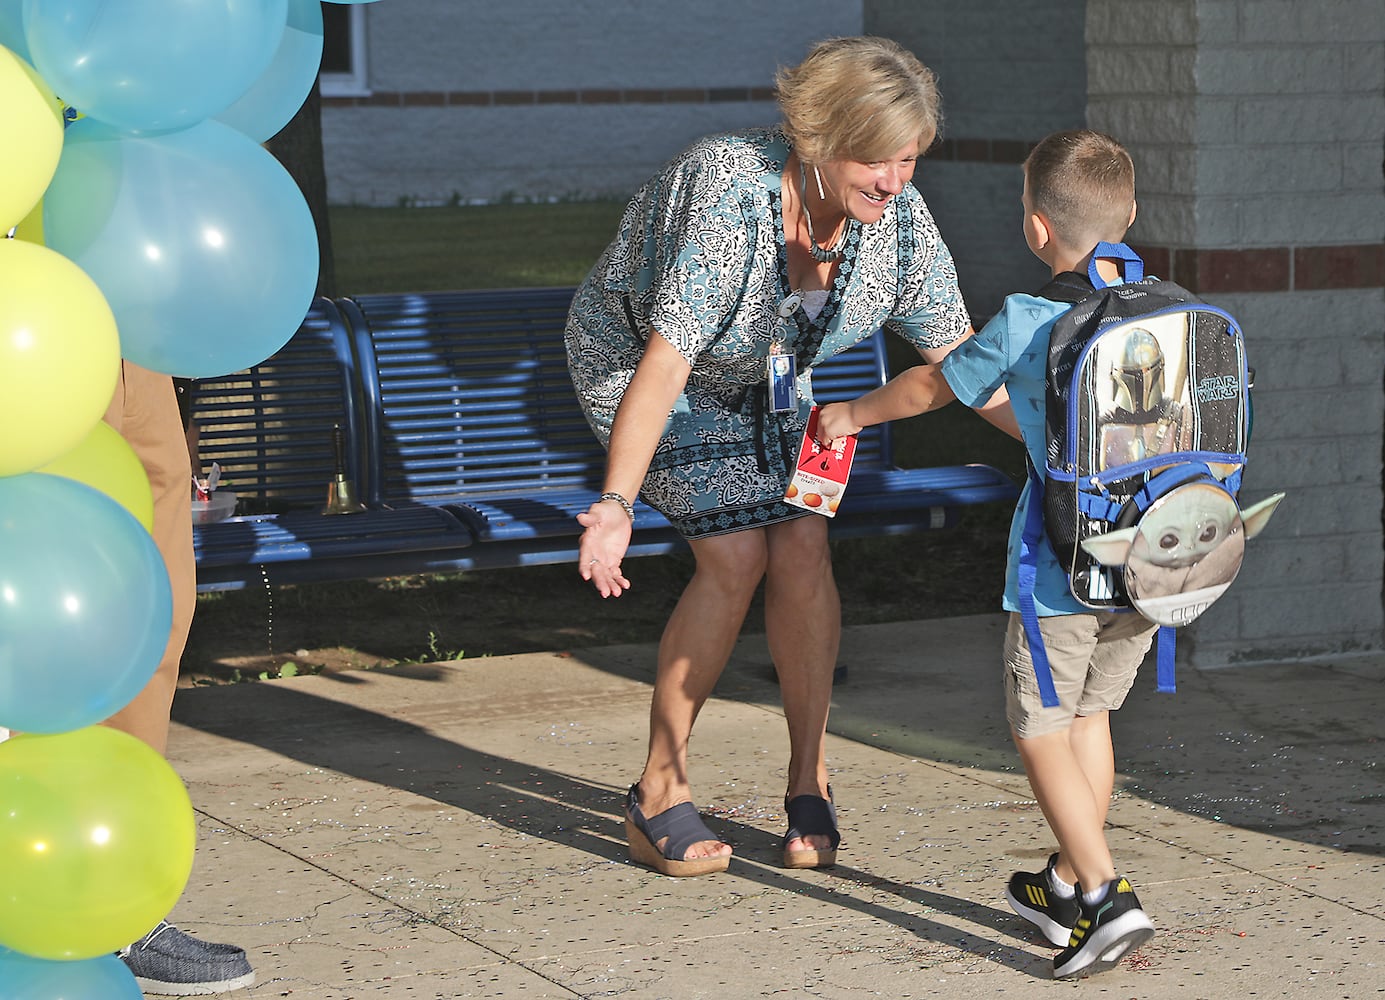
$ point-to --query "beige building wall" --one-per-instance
(1259, 131)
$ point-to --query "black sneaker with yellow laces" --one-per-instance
(1105, 932)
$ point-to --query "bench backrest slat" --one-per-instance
(473, 398)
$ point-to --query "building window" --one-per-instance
(343, 51)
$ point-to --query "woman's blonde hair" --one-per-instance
(858, 99)
(1084, 182)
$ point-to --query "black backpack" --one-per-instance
(1147, 422)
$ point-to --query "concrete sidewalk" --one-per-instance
(454, 830)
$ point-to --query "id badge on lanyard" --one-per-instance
(783, 379)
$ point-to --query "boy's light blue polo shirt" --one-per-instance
(1012, 350)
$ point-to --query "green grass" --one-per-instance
(456, 247)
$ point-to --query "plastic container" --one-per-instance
(221, 505)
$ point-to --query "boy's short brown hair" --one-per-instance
(1084, 182)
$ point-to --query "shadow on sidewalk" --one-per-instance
(550, 805)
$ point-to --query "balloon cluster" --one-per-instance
(142, 220)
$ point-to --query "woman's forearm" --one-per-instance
(642, 415)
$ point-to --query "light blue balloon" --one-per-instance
(104, 978)
(199, 239)
(12, 28)
(276, 96)
(152, 65)
(85, 605)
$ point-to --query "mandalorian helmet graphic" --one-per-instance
(1138, 374)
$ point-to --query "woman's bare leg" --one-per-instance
(803, 624)
(696, 644)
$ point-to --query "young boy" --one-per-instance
(1079, 190)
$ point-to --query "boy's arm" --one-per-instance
(913, 391)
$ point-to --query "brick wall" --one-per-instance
(1008, 69)
(551, 100)
(1258, 128)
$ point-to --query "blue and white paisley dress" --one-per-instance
(700, 259)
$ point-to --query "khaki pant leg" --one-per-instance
(145, 412)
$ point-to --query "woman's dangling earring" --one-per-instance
(821, 255)
(818, 177)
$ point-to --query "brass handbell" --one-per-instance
(341, 492)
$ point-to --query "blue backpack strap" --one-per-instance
(1163, 482)
(1098, 507)
(1103, 507)
(1030, 540)
(1134, 269)
(1168, 638)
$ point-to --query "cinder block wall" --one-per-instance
(1258, 128)
(555, 100)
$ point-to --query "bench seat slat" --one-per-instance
(271, 538)
(270, 428)
(302, 546)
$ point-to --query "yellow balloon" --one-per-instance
(30, 227)
(59, 355)
(31, 133)
(105, 461)
(97, 833)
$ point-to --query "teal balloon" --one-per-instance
(152, 65)
(12, 28)
(104, 978)
(85, 605)
(280, 91)
(200, 241)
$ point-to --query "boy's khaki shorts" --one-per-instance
(1093, 656)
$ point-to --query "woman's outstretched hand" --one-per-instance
(603, 545)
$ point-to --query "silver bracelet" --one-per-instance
(625, 504)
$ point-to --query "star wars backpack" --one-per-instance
(1147, 420)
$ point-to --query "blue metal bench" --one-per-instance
(271, 430)
(468, 407)
(471, 409)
